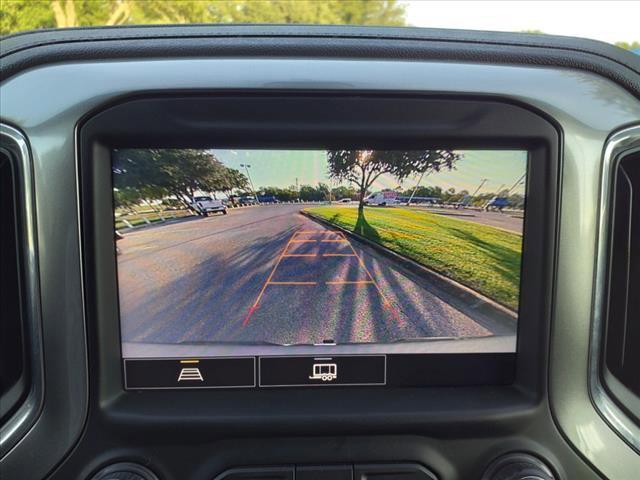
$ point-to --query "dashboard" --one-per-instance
(319, 253)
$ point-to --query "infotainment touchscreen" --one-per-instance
(265, 268)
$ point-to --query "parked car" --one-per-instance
(382, 199)
(205, 205)
(497, 203)
(247, 201)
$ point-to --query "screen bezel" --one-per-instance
(308, 120)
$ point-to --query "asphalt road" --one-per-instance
(269, 274)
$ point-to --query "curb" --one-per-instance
(461, 294)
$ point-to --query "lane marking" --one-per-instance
(301, 255)
(189, 361)
(264, 287)
(386, 303)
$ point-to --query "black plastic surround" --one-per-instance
(320, 120)
(620, 354)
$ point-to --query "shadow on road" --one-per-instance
(196, 306)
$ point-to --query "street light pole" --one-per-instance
(484, 180)
(253, 190)
(518, 182)
(416, 188)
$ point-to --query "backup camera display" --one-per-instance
(332, 258)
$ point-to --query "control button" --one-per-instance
(518, 466)
(324, 371)
(125, 471)
(298, 371)
(400, 471)
(189, 373)
(324, 472)
(266, 473)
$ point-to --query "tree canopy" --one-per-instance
(20, 15)
(629, 45)
(156, 173)
(363, 167)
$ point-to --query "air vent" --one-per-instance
(13, 371)
(622, 341)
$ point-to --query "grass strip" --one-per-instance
(482, 257)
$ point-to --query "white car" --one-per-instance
(382, 199)
(205, 205)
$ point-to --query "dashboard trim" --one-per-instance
(25, 416)
(620, 143)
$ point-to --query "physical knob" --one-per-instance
(125, 471)
(518, 466)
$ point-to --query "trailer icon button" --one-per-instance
(324, 371)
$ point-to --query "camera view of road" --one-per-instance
(209, 264)
(270, 274)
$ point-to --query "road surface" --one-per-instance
(270, 274)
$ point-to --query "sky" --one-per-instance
(280, 168)
(610, 21)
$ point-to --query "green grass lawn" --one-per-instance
(484, 258)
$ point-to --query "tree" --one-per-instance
(282, 194)
(344, 192)
(309, 193)
(363, 167)
(126, 197)
(629, 45)
(69, 13)
(323, 191)
(229, 179)
(155, 173)
(424, 191)
(20, 15)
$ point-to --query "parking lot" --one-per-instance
(270, 275)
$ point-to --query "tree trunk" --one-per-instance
(120, 15)
(64, 16)
(363, 193)
(180, 196)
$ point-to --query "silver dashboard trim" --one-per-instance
(618, 144)
(25, 416)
